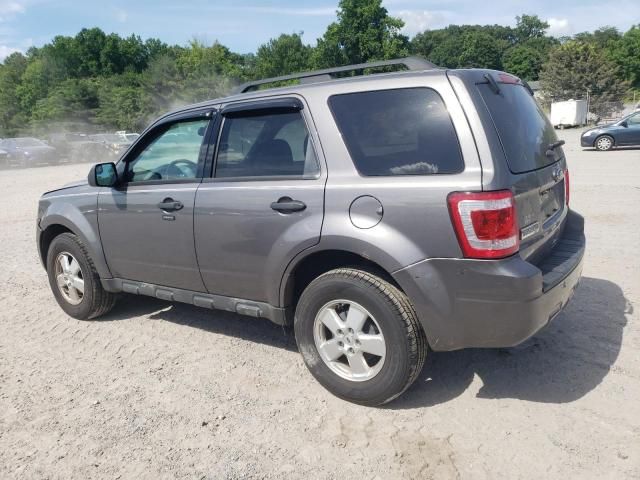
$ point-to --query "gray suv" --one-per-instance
(381, 215)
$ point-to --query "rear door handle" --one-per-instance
(170, 205)
(287, 205)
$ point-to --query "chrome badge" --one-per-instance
(529, 230)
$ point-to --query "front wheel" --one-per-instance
(359, 336)
(74, 280)
(604, 143)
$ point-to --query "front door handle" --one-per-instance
(170, 205)
(287, 205)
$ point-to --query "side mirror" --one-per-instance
(624, 124)
(103, 175)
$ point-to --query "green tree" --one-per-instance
(200, 60)
(282, 55)
(575, 68)
(529, 26)
(163, 82)
(12, 116)
(120, 54)
(626, 53)
(73, 101)
(603, 37)
(523, 61)
(480, 50)
(363, 32)
(123, 103)
(460, 46)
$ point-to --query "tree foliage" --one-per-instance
(520, 50)
(364, 31)
(577, 69)
(282, 55)
(96, 80)
(523, 61)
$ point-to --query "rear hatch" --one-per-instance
(534, 158)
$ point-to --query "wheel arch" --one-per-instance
(46, 237)
(598, 137)
(77, 224)
(305, 269)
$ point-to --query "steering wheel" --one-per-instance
(173, 169)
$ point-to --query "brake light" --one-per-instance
(485, 223)
(567, 191)
(510, 79)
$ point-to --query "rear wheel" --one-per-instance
(359, 336)
(74, 280)
(604, 143)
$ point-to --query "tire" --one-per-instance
(401, 351)
(604, 143)
(94, 300)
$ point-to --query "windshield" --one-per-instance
(523, 128)
(633, 119)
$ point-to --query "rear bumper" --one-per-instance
(465, 303)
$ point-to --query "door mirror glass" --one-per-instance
(103, 175)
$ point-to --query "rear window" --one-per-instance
(523, 128)
(398, 132)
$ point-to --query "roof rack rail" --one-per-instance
(412, 63)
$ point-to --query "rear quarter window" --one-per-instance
(398, 132)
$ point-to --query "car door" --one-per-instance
(264, 201)
(146, 221)
(629, 134)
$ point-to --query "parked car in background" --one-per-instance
(115, 142)
(28, 151)
(79, 147)
(625, 132)
(128, 136)
(4, 158)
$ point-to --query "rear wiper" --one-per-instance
(552, 146)
(493, 85)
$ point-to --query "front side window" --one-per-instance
(172, 155)
(398, 132)
(634, 120)
(265, 145)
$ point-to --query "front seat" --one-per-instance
(274, 157)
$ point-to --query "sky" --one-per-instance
(243, 25)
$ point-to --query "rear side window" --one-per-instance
(271, 145)
(398, 132)
(523, 128)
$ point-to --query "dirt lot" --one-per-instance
(156, 390)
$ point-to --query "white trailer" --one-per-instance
(570, 113)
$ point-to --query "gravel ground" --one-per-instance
(156, 390)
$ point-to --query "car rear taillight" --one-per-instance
(567, 191)
(485, 223)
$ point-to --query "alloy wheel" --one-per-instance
(349, 340)
(69, 278)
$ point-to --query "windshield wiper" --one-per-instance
(552, 146)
